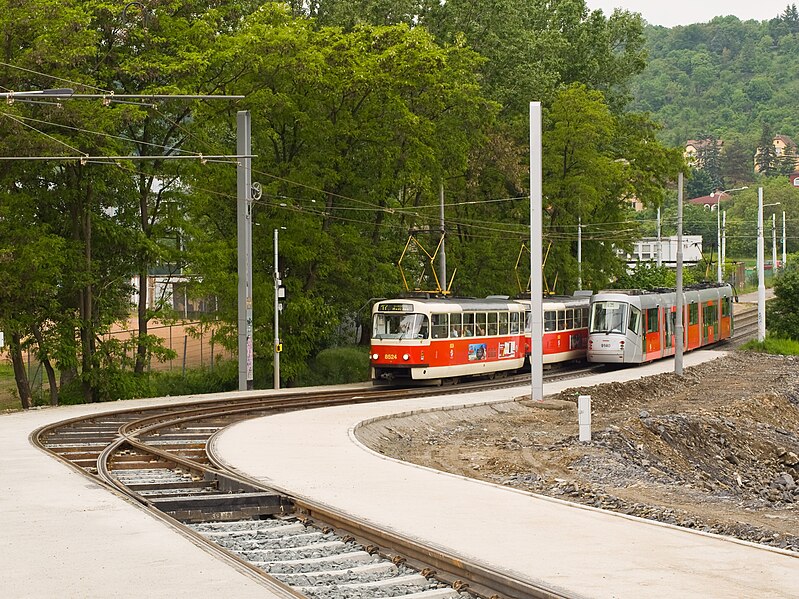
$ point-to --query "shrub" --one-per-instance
(782, 312)
(337, 366)
(223, 377)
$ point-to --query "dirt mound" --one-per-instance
(716, 449)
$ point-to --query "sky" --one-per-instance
(685, 12)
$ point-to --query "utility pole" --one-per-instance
(761, 282)
(536, 257)
(724, 238)
(784, 258)
(718, 242)
(773, 246)
(678, 332)
(660, 245)
(443, 257)
(278, 346)
(244, 237)
(579, 252)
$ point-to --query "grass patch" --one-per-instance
(774, 345)
(8, 388)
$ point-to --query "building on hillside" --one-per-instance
(794, 178)
(784, 146)
(636, 204)
(710, 202)
(695, 150)
(785, 149)
(646, 249)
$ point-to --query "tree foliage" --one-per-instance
(725, 78)
(782, 312)
(363, 113)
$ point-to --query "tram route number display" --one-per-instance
(395, 308)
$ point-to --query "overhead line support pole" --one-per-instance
(536, 256)
(244, 237)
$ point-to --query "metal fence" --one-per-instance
(194, 347)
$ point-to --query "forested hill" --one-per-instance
(726, 78)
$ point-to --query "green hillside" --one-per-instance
(726, 78)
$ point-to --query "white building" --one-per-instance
(646, 250)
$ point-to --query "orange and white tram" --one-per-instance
(635, 326)
(429, 339)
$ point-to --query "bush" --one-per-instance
(224, 377)
(337, 366)
(782, 312)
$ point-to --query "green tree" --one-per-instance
(647, 275)
(357, 130)
(766, 157)
(782, 313)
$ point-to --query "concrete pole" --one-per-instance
(579, 252)
(277, 318)
(773, 246)
(536, 257)
(784, 257)
(244, 248)
(761, 279)
(718, 243)
(723, 240)
(660, 245)
(443, 257)
(678, 328)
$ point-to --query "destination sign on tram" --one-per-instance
(395, 308)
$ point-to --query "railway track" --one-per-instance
(745, 327)
(159, 459)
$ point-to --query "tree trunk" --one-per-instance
(20, 375)
(37, 333)
(86, 308)
(141, 346)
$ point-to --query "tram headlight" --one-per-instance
(375, 356)
(406, 357)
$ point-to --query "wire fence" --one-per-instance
(192, 343)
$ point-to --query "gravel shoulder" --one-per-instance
(716, 449)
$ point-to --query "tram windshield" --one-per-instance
(608, 317)
(400, 326)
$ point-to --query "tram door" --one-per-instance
(671, 326)
(637, 350)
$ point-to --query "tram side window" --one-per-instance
(652, 320)
(503, 323)
(455, 325)
(569, 318)
(561, 320)
(635, 320)
(480, 324)
(693, 314)
(468, 324)
(528, 322)
(710, 315)
(581, 318)
(515, 320)
(492, 323)
(550, 321)
(440, 323)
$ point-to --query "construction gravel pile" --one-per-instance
(715, 450)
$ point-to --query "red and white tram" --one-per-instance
(635, 326)
(429, 339)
